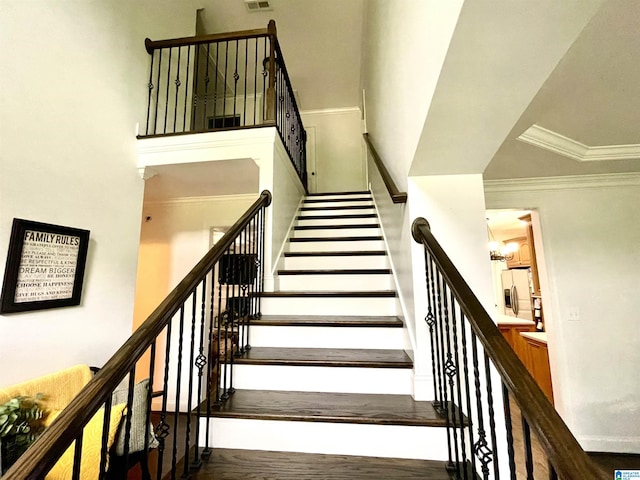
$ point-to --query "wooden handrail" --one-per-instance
(562, 449)
(152, 45)
(396, 195)
(44, 453)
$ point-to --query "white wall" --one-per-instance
(171, 243)
(73, 88)
(340, 162)
(590, 229)
(405, 44)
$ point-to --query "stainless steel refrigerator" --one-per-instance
(516, 290)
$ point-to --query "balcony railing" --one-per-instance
(222, 82)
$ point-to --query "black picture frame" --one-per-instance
(45, 267)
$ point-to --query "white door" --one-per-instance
(312, 182)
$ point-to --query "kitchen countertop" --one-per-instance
(538, 336)
(507, 320)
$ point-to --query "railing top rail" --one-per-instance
(396, 195)
(562, 448)
(152, 45)
(68, 425)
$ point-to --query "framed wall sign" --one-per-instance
(45, 267)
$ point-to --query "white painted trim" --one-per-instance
(422, 387)
(562, 183)
(206, 199)
(331, 111)
(591, 443)
(554, 142)
(280, 263)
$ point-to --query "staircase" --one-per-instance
(328, 376)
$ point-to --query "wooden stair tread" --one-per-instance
(344, 271)
(354, 192)
(326, 357)
(334, 239)
(359, 408)
(346, 199)
(326, 321)
(228, 464)
(341, 253)
(330, 294)
(335, 227)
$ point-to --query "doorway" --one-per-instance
(516, 258)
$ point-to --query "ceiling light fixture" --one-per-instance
(503, 253)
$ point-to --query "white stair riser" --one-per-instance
(338, 196)
(339, 282)
(335, 221)
(390, 441)
(382, 306)
(333, 211)
(393, 338)
(335, 232)
(337, 246)
(330, 204)
(323, 379)
(327, 262)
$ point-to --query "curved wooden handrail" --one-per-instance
(44, 453)
(396, 195)
(562, 449)
(152, 45)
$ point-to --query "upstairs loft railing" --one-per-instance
(467, 349)
(181, 358)
(222, 82)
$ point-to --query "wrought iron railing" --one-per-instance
(223, 82)
(181, 358)
(472, 365)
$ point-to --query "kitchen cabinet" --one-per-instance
(537, 360)
(522, 257)
(511, 328)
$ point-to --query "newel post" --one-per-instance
(270, 115)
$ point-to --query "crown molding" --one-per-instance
(569, 182)
(554, 142)
(201, 200)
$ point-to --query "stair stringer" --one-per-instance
(422, 379)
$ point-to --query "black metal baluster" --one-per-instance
(265, 73)
(177, 83)
(528, 454)
(104, 450)
(186, 91)
(196, 92)
(176, 413)
(445, 404)
(155, 118)
(147, 424)
(480, 448)
(552, 472)
(430, 320)
(127, 416)
(236, 77)
(235, 289)
(150, 87)
(509, 426)
(225, 81)
(221, 320)
(244, 277)
(77, 455)
(201, 362)
(163, 428)
(492, 420)
(246, 73)
(192, 349)
(166, 104)
(456, 356)
(255, 82)
(205, 96)
(227, 319)
(467, 385)
(212, 362)
(439, 404)
(450, 370)
(261, 240)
